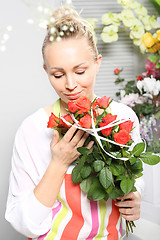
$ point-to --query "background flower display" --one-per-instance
(143, 96)
(133, 19)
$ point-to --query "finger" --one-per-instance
(128, 217)
(69, 134)
(78, 138)
(126, 211)
(83, 139)
(90, 144)
(128, 196)
(131, 217)
(126, 204)
(55, 138)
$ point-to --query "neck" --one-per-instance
(63, 107)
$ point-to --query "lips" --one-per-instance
(73, 96)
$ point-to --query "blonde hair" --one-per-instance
(66, 23)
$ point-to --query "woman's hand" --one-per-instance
(65, 150)
(129, 206)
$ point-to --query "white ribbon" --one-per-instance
(93, 131)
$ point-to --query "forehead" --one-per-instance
(68, 51)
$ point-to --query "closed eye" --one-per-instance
(79, 73)
(58, 76)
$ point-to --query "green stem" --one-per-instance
(127, 228)
(100, 150)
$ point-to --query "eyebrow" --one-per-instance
(62, 69)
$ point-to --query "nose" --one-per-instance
(71, 83)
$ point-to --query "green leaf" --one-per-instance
(137, 164)
(117, 94)
(153, 58)
(126, 185)
(86, 184)
(116, 169)
(96, 155)
(76, 176)
(130, 83)
(98, 165)
(116, 154)
(109, 189)
(108, 160)
(119, 80)
(85, 171)
(96, 192)
(132, 160)
(115, 193)
(90, 158)
(138, 149)
(150, 158)
(120, 177)
(158, 65)
(105, 177)
(137, 171)
(138, 175)
(83, 150)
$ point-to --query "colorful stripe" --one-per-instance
(120, 229)
(54, 212)
(58, 220)
(95, 221)
(73, 197)
(103, 211)
(112, 223)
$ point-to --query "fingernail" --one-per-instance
(91, 143)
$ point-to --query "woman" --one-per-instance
(43, 203)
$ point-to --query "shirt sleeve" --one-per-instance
(25, 213)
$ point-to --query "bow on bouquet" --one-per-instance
(110, 167)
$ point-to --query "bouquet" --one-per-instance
(109, 169)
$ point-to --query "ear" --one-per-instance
(45, 68)
(98, 62)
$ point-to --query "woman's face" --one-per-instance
(71, 69)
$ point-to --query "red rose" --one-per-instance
(106, 131)
(106, 120)
(117, 71)
(122, 137)
(68, 118)
(83, 104)
(53, 121)
(139, 78)
(72, 107)
(86, 121)
(103, 102)
(109, 118)
(128, 125)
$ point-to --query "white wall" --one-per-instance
(24, 87)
